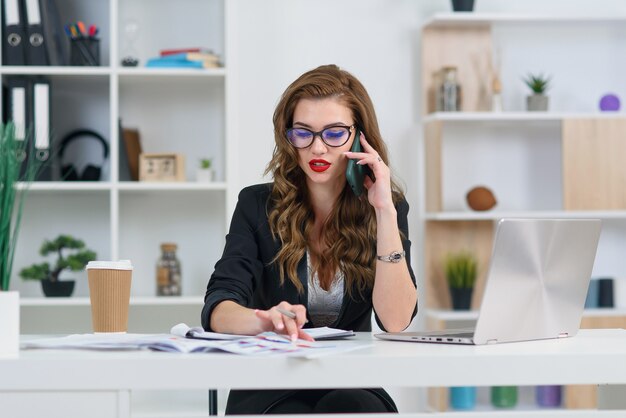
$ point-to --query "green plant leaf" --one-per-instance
(461, 270)
(539, 83)
(74, 261)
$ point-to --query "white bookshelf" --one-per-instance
(515, 153)
(185, 111)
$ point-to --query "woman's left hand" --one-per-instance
(379, 191)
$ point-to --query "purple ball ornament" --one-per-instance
(609, 103)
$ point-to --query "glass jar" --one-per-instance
(449, 97)
(168, 271)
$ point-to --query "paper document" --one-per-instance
(267, 344)
(321, 333)
(183, 330)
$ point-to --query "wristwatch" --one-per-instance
(394, 257)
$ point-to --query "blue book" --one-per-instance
(159, 63)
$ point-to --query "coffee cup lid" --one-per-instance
(110, 265)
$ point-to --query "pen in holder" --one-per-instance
(85, 51)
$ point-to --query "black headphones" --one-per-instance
(91, 172)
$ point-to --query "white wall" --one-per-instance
(376, 40)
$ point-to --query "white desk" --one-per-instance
(592, 357)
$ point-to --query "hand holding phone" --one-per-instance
(355, 173)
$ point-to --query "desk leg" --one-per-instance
(611, 396)
(213, 402)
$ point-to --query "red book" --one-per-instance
(165, 52)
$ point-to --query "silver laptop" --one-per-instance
(536, 287)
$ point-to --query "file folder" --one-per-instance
(13, 35)
(16, 95)
(55, 39)
(35, 46)
(41, 127)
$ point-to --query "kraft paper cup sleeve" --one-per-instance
(109, 292)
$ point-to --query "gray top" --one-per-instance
(324, 306)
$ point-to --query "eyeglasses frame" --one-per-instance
(350, 128)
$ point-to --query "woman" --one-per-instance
(307, 244)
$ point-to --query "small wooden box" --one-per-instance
(162, 167)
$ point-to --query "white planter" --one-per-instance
(204, 175)
(9, 324)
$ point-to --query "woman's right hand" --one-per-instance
(273, 320)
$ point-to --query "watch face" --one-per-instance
(395, 257)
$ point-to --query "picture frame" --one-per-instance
(161, 167)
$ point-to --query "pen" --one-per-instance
(289, 314)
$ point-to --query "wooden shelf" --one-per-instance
(511, 117)
(469, 19)
(447, 315)
(496, 215)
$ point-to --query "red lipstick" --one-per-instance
(319, 165)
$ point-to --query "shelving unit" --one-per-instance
(558, 164)
(184, 111)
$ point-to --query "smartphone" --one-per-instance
(355, 173)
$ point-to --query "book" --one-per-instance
(191, 56)
(171, 63)
(132, 148)
(165, 52)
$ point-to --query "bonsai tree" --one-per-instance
(75, 261)
(461, 270)
(539, 84)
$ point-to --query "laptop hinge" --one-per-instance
(563, 334)
(492, 341)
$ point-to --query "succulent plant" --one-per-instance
(537, 83)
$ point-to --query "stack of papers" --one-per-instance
(184, 339)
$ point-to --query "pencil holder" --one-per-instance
(504, 396)
(85, 51)
(548, 396)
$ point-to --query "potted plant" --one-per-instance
(14, 167)
(461, 272)
(462, 5)
(538, 84)
(204, 173)
(48, 276)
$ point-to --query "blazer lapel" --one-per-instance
(303, 275)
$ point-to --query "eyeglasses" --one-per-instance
(333, 136)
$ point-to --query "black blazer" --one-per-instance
(246, 275)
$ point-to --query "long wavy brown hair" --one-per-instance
(348, 235)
